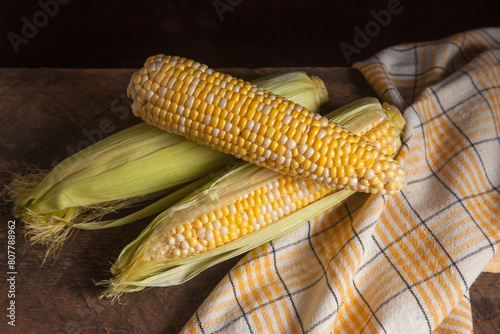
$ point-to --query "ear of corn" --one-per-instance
(233, 116)
(134, 165)
(126, 158)
(224, 219)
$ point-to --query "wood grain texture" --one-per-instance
(485, 300)
(46, 114)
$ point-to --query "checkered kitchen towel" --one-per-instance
(401, 263)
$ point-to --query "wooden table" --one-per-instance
(46, 114)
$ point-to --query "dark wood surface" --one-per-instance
(45, 115)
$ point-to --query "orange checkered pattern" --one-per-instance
(391, 264)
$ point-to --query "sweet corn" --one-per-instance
(219, 111)
(131, 166)
(224, 219)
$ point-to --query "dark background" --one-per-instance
(122, 34)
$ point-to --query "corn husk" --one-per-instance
(307, 90)
(136, 269)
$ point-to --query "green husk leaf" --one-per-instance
(308, 91)
(134, 162)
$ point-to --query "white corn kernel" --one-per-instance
(171, 83)
(149, 95)
(209, 236)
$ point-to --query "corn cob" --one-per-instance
(233, 116)
(224, 219)
(131, 166)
